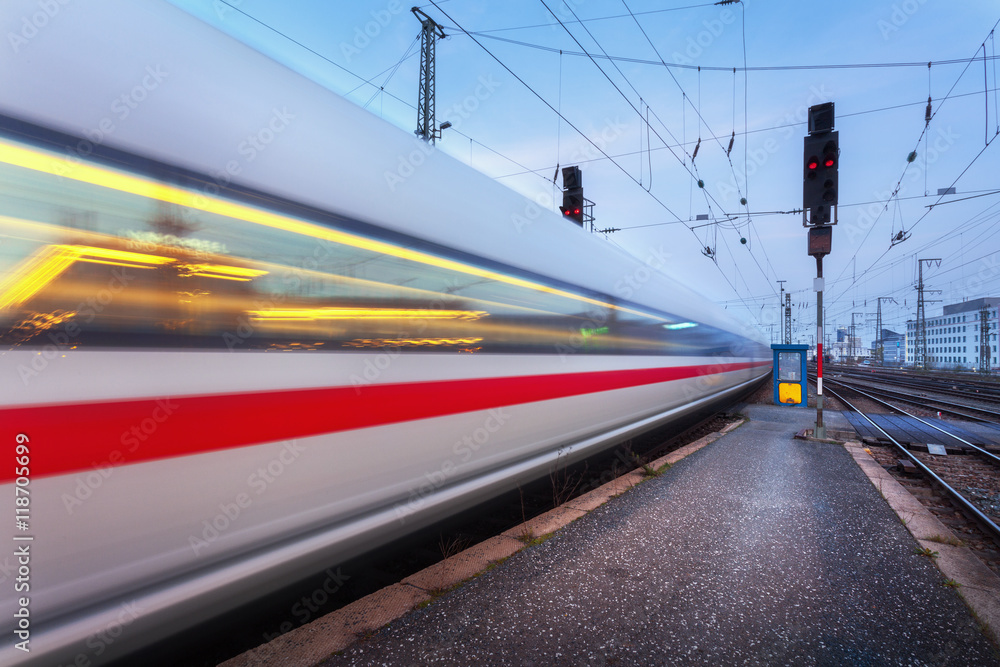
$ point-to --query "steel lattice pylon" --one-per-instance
(788, 318)
(430, 32)
(920, 349)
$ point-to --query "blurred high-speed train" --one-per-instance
(250, 330)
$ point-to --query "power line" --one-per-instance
(709, 68)
(598, 18)
(683, 92)
(625, 97)
(771, 128)
(364, 82)
(554, 110)
(895, 191)
(707, 195)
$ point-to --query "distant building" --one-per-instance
(845, 348)
(893, 348)
(953, 338)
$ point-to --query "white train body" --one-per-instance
(237, 362)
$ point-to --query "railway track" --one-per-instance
(948, 385)
(962, 410)
(930, 466)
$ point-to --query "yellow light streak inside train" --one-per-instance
(366, 314)
(51, 164)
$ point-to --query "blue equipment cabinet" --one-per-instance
(790, 374)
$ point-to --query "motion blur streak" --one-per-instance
(168, 337)
(57, 166)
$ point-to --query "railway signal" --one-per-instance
(821, 156)
(821, 162)
(574, 204)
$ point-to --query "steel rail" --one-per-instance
(989, 455)
(984, 520)
(962, 389)
(910, 398)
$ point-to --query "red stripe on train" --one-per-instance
(70, 437)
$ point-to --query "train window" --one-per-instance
(111, 256)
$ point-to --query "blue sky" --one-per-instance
(649, 188)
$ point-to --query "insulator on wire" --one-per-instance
(732, 140)
(927, 114)
(696, 147)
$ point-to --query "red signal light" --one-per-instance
(576, 211)
(812, 164)
(829, 161)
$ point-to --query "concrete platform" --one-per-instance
(758, 549)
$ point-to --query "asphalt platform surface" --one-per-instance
(756, 550)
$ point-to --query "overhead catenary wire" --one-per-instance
(369, 82)
(625, 97)
(984, 217)
(728, 222)
(771, 128)
(591, 20)
(895, 191)
(566, 120)
(364, 82)
(701, 119)
(708, 197)
(726, 68)
(694, 175)
(610, 80)
(395, 68)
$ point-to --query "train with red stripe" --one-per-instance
(250, 330)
